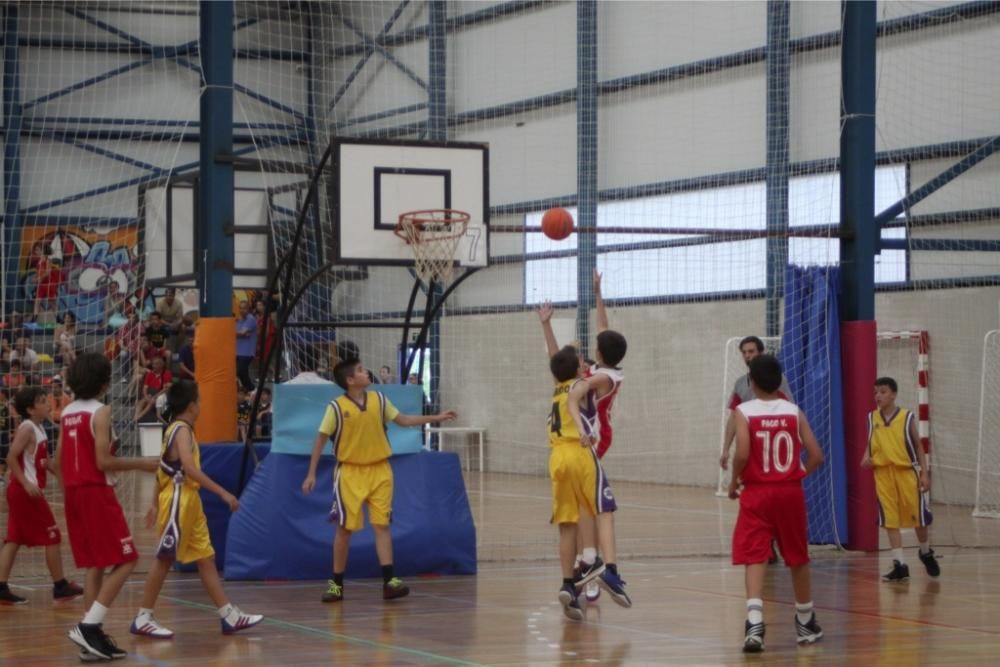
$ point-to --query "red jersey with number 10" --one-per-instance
(775, 442)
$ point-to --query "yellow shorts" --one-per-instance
(900, 502)
(194, 543)
(578, 480)
(357, 485)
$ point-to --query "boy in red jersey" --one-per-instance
(770, 436)
(30, 522)
(98, 532)
(603, 379)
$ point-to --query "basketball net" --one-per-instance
(433, 236)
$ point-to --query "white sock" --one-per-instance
(804, 611)
(96, 614)
(144, 612)
(229, 612)
(589, 555)
(925, 547)
(755, 610)
(897, 554)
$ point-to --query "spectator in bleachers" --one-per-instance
(185, 360)
(13, 329)
(15, 379)
(171, 310)
(49, 278)
(65, 335)
(156, 333)
(23, 353)
(385, 375)
(264, 414)
(126, 344)
(265, 335)
(244, 407)
(57, 399)
(5, 430)
(155, 382)
(246, 344)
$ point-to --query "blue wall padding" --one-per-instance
(280, 533)
(299, 409)
(221, 462)
(810, 358)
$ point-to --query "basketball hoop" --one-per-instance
(434, 236)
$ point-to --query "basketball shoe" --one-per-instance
(65, 591)
(899, 572)
(394, 588)
(145, 625)
(753, 640)
(615, 586)
(7, 597)
(570, 602)
(930, 563)
(238, 620)
(808, 633)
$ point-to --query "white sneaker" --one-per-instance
(145, 625)
(239, 620)
(592, 590)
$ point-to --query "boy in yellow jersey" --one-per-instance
(356, 424)
(180, 519)
(579, 483)
(901, 478)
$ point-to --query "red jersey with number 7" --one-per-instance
(775, 442)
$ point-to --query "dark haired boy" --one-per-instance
(98, 532)
(902, 478)
(355, 423)
(771, 433)
(30, 522)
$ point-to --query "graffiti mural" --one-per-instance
(99, 267)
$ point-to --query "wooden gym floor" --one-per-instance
(688, 609)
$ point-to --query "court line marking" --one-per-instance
(656, 508)
(306, 630)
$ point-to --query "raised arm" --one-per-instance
(545, 317)
(602, 313)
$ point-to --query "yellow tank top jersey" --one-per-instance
(889, 442)
(562, 428)
(165, 473)
(358, 431)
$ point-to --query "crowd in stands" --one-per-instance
(148, 338)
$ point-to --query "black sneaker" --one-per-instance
(588, 573)
(112, 648)
(91, 639)
(753, 641)
(899, 572)
(570, 602)
(808, 633)
(66, 591)
(87, 656)
(930, 563)
(8, 598)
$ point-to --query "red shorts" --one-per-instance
(29, 520)
(771, 512)
(98, 533)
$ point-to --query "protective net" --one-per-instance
(674, 142)
(97, 108)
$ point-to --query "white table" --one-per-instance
(478, 430)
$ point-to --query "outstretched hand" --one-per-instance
(447, 416)
(544, 312)
(597, 282)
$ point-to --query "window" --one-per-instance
(681, 264)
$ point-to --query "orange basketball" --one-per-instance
(557, 224)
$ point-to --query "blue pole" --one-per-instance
(437, 130)
(859, 239)
(215, 188)
(778, 50)
(586, 167)
(12, 114)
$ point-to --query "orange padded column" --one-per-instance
(215, 372)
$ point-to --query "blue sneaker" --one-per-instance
(241, 621)
(615, 586)
(570, 602)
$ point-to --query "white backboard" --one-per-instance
(374, 181)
